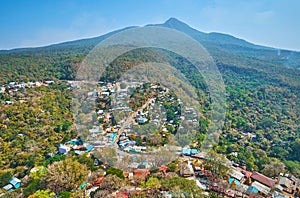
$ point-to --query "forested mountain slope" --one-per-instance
(262, 84)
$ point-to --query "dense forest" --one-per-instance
(262, 119)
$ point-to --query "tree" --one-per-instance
(32, 187)
(216, 164)
(173, 167)
(38, 173)
(179, 186)
(108, 155)
(84, 159)
(115, 171)
(96, 174)
(4, 177)
(273, 168)
(65, 175)
(42, 194)
(161, 157)
(64, 194)
(111, 183)
(295, 154)
(123, 164)
(152, 183)
(101, 193)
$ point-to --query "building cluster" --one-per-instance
(13, 184)
(76, 145)
(16, 86)
(240, 182)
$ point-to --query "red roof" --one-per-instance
(97, 182)
(163, 169)
(122, 194)
(245, 172)
(263, 179)
(141, 172)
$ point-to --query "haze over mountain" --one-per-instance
(214, 42)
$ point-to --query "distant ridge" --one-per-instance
(218, 44)
(213, 37)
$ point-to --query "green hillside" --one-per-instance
(262, 84)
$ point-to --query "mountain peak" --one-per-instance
(173, 22)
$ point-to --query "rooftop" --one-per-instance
(263, 179)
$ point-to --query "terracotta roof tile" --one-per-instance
(263, 179)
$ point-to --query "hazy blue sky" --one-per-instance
(27, 23)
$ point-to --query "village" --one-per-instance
(12, 87)
(120, 127)
(237, 183)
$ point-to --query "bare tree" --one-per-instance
(273, 168)
(162, 157)
(112, 183)
(65, 175)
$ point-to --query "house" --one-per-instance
(8, 102)
(49, 82)
(142, 120)
(285, 182)
(163, 169)
(201, 155)
(100, 111)
(252, 190)
(76, 141)
(141, 173)
(261, 188)
(276, 194)
(188, 151)
(63, 149)
(8, 187)
(105, 94)
(95, 130)
(186, 169)
(14, 183)
(89, 148)
(121, 194)
(77, 152)
(11, 84)
(245, 172)
(263, 179)
(237, 175)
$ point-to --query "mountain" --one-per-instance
(214, 37)
(230, 44)
(262, 121)
(217, 44)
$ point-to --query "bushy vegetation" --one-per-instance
(261, 131)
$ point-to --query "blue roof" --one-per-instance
(89, 148)
(188, 151)
(15, 182)
(75, 141)
(236, 181)
(252, 189)
(142, 120)
(8, 187)
(112, 136)
(78, 152)
(194, 151)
